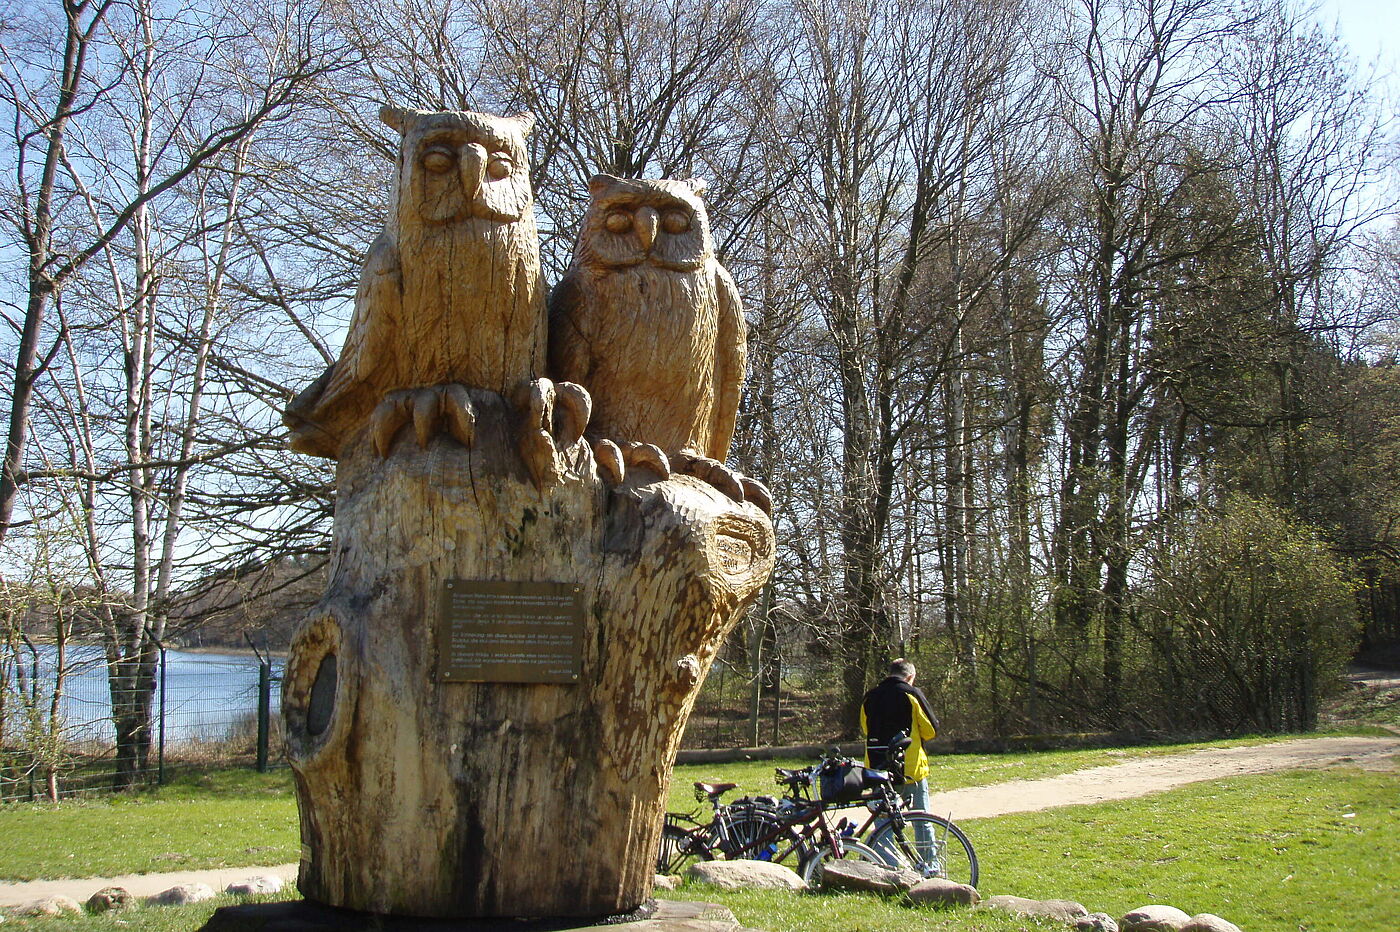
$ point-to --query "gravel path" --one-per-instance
(18, 894)
(1153, 774)
(1117, 781)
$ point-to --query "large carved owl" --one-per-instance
(649, 322)
(450, 294)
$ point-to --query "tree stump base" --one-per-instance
(420, 797)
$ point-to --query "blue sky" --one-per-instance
(1370, 27)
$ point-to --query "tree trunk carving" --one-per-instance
(424, 795)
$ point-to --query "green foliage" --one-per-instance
(1249, 619)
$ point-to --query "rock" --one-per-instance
(57, 905)
(742, 875)
(263, 883)
(1154, 919)
(1096, 922)
(109, 898)
(666, 882)
(1209, 922)
(867, 877)
(1063, 910)
(182, 895)
(936, 890)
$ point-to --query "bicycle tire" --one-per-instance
(812, 866)
(679, 849)
(750, 824)
(950, 857)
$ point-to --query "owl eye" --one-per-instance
(439, 160)
(499, 167)
(618, 222)
(675, 221)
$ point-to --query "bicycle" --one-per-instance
(767, 828)
(760, 829)
(909, 839)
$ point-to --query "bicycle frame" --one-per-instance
(815, 831)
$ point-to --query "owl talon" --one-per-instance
(573, 406)
(726, 480)
(536, 399)
(609, 459)
(648, 455)
(459, 413)
(425, 415)
(430, 410)
(757, 492)
(712, 471)
(389, 416)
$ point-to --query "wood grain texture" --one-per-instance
(649, 321)
(451, 290)
(499, 799)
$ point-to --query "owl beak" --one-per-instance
(473, 168)
(647, 222)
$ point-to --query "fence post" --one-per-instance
(264, 710)
(264, 699)
(160, 724)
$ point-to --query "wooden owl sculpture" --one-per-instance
(450, 296)
(649, 322)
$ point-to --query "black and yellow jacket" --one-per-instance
(895, 706)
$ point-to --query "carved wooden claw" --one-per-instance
(430, 410)
(610, 462)
(757, 492)
(615, 458)
(648, 455)
(712, 471)
(555, 417)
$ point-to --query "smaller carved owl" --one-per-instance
(648, 320)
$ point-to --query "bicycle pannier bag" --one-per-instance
(842, 782)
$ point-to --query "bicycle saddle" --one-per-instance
(714, 789)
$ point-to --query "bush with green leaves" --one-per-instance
(1245, 620)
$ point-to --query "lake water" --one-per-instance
(208, 697)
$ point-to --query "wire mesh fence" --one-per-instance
(1012, 688)
(61, 710)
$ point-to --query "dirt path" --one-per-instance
(1117, 781)
(1154, 774)
(142, 885)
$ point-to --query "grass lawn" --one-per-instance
(189, 823)
(223, 818)
(1300, 851)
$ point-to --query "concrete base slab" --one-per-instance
(306, 916)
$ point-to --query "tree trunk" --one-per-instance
(425, 797)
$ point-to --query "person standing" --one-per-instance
(896, 708)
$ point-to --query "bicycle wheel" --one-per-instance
(680, 849)
(851, 850)
(753, 833)
(927, 844)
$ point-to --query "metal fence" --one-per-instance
(58, 734)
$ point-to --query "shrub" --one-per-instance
(1247, 619)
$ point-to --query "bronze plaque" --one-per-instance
(510, 632)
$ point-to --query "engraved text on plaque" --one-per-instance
(510, 632)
